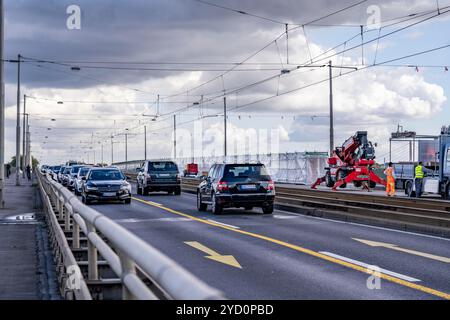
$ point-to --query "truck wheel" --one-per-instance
(357, 184)
(372, 184)
(177, 191)
(342, 175)
(200, 205)
(446, 194)
(409, 189)
(329, 180)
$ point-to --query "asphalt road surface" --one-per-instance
(249, 255)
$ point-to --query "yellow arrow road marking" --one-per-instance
(211, 254)
(397, 248)
(408, 284)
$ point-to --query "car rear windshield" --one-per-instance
(75, 169)
(162, 166)
(83, 172)
(243, 172)
(106, 175)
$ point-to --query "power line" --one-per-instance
(240, 12)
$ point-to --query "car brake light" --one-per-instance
(222, 186)
(271, 186)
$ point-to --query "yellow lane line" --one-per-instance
(309, 252)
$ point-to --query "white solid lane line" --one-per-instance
(224, 224)
(369, 266)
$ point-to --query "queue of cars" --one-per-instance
(224, 186)
(93, 183)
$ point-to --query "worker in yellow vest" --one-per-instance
(390, 180)
(419, 175)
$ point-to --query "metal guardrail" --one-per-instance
(134, 261)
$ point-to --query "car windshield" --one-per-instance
(67, 170)
(56, 169)
(106, 175)
(162, 166)
(83, 172)
(243, 172)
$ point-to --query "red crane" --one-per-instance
(351, 163)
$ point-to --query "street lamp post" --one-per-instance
(24, 148)
(18, 124)
(225, 126)
(2, 111)
(330, 69)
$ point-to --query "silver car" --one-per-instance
(83, 172)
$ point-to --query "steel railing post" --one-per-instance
(128, 267)
(92, 255)
(67, 210)
(75, 235)
(61, 208)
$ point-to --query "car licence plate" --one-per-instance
(109, 194)
(248, 187)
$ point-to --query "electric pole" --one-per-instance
(112, 149)
(225, 126)
(330, 67)
(145, 142)
(24, 150)
(18, 124)
(174, 136)
(2, 111)
(126, 150)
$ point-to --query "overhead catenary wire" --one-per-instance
(345, 51)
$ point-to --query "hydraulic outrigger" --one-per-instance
(351, 163)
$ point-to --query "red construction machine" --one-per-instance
(351, 163)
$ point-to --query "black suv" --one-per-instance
(159, 176)
(236, 185)
(105, 184)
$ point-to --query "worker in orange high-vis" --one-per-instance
(390, 180)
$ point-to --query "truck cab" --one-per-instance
(437, 181)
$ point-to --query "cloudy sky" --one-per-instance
(129, 52)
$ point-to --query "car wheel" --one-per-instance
(138, 189)
(127, 201)
(216, 207)
(177, 191)
(248, 208)
(268, 209)
(200, 205)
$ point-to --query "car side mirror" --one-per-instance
(127, 178)
(83, 178)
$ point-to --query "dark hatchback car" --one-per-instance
(236, 186)
(159, 176)
(105, 184)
